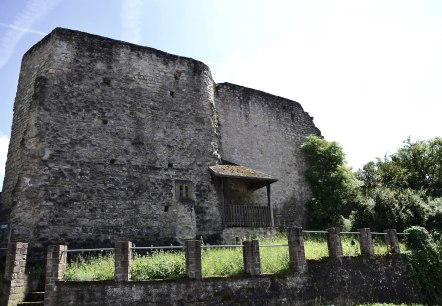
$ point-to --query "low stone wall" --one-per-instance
(345, 281)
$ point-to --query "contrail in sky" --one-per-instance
(22, 24)
(13, 27)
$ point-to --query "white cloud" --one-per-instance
(34, 11)
(131, 19)
(4, 142)
(369, 77)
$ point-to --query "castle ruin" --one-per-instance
(114, 141)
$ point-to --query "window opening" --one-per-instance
(183, 190)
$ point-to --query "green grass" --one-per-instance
(274, 259)
(99, 267)
(222, 262)
(216, 262)
(159, 265)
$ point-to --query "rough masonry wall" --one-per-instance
(265, 132)
(350, 281)
(21, 195)
(102, 130)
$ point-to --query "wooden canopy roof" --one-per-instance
(254, 179)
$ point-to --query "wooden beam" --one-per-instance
(269, 201)
(223, 203)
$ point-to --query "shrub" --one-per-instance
(425, 260)
(434, 220)
(386, 208)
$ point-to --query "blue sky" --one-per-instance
(369, 72)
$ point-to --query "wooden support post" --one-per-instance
(269, 201)
(224, 203)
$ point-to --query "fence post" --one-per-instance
(296, 249)
(193, 259)
(251, 257)
(55, 267)
(15, 289)
(334, 243)
(392, 241)
(123, 261)
(366, 242)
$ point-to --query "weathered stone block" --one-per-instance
(366, 242)
(193, 259)
(296, 249)
(251, 257)
(334, 242)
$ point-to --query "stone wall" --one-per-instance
(348, 281)
(265, 132)
(112, 141)
(101, 132)
(14, 283)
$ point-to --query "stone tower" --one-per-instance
(113, 141)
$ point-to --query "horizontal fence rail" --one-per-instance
(88, 250)
(272, 245)
(350, 233)
(221, 246)
(172, 247)
(208, 246)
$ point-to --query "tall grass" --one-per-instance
(222, 262)
(159, 265)
(99, 267)
(274, 259)
(216, 262)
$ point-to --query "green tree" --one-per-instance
(417, 165)
(387, 208)
(334, 186)
(403, 189)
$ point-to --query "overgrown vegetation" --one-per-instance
(99, 267)
(335, 189)
(425, 260)
(159, 265)
(403, 190)
(222, 262)
(399, 191)
(216, 262)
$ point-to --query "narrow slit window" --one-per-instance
(184, 190)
